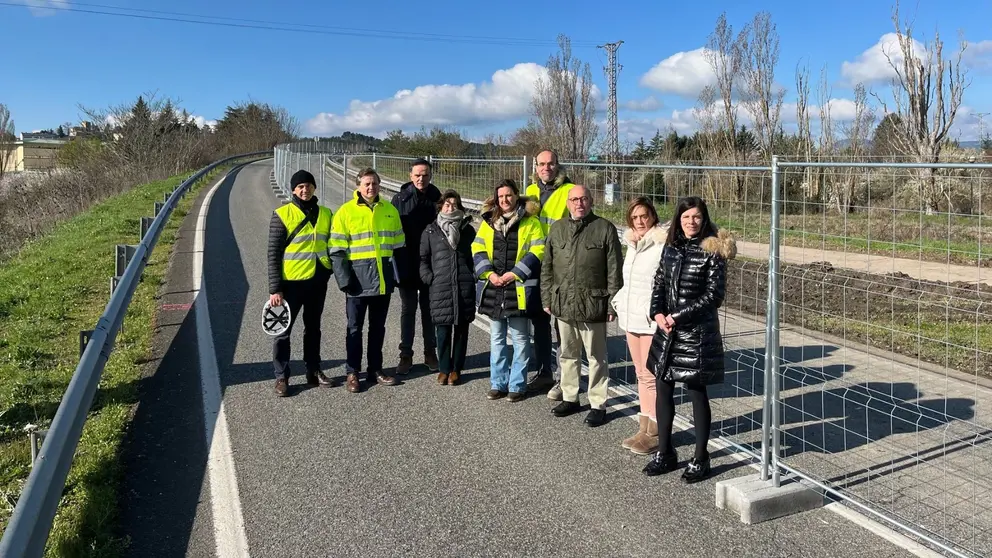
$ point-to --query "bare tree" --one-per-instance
(760, 96)
(725, 56)
(709, 138)
(857, 133)
(927, 95)
(7, 140)
(804, 147)
(563, 104)
(823, 94)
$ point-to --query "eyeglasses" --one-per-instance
(583, 199)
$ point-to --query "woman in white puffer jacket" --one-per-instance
(645, 240)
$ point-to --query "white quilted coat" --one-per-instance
(633, 302)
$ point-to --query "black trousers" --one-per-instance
(542, 342)
(308, 296)
(452, 344)
(702, 416)
(377, 308)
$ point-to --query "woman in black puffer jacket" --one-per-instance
(446, 267)
(687, 347)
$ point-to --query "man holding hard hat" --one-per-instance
(299, 268)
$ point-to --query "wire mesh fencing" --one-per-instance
(862, 292)
(884, 315)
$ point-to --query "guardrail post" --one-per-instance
(146, 223)
(84, 339)
(158, 208)
(36, 437)
(123, 253)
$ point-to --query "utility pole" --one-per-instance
(612, 129)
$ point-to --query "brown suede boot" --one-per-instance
(648, 442)
(642, 421)
(442, 378)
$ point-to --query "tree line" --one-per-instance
(146, 139)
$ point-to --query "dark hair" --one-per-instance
(506, 183)
(421, 161)
(675, 234)
(450, 194)
(644, 202)
(369, 171)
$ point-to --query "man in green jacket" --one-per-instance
(581, 272)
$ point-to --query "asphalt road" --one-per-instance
(415, 469)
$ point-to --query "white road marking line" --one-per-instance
(229, 526)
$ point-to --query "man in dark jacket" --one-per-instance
(417, 204)
(581, 272)
(299, 270)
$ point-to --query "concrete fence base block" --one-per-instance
(758, 500)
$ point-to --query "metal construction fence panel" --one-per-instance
(857, 321)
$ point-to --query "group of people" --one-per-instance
(540, 261)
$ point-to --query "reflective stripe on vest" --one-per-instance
(299, 259)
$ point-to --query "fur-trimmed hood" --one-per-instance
(723, 243)
(529, 206)
(656, 235)
(562, 178)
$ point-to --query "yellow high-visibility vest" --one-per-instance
(366, 233)
(309, 246)
(530, 253)
(555, 208)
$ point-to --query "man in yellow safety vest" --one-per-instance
(299, 269)
(551, 187)
(365, 234)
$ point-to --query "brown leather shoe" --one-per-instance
(453, 378)
(403, 368)
(430, 359)
(282, 387)
(323, 380)
(352, 383)
(383, 379)
(442, 378)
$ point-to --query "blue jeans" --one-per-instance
(504, 375)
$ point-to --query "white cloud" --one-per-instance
(873, 65)
(683, 73)
(978, 55)
(202, 122)
(506, 96)
(647, 104)
(43, 8)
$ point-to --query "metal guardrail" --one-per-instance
(29, 527)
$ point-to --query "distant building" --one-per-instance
(84, 129)
(34, 154)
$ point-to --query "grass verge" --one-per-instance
(53, 288)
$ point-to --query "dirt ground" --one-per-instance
(946, 324)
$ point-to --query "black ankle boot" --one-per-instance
(661, 463)
(697, 470)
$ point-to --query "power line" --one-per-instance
(221, 21)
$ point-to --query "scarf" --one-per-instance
(451, 225)
(506, 221)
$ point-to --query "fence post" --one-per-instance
(770, 423)
(373, 161)
(344, 178)
(528, 163)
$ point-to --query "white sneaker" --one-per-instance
(554, 393)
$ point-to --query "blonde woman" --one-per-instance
(645, 240)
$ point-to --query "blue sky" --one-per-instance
(333, 82)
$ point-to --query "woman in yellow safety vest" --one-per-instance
(299, 268)
(507, 252)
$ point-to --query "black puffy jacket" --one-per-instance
(690, 284)
(449, 274)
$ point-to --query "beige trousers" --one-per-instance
(576, 336)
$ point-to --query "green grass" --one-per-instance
(53, 288)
